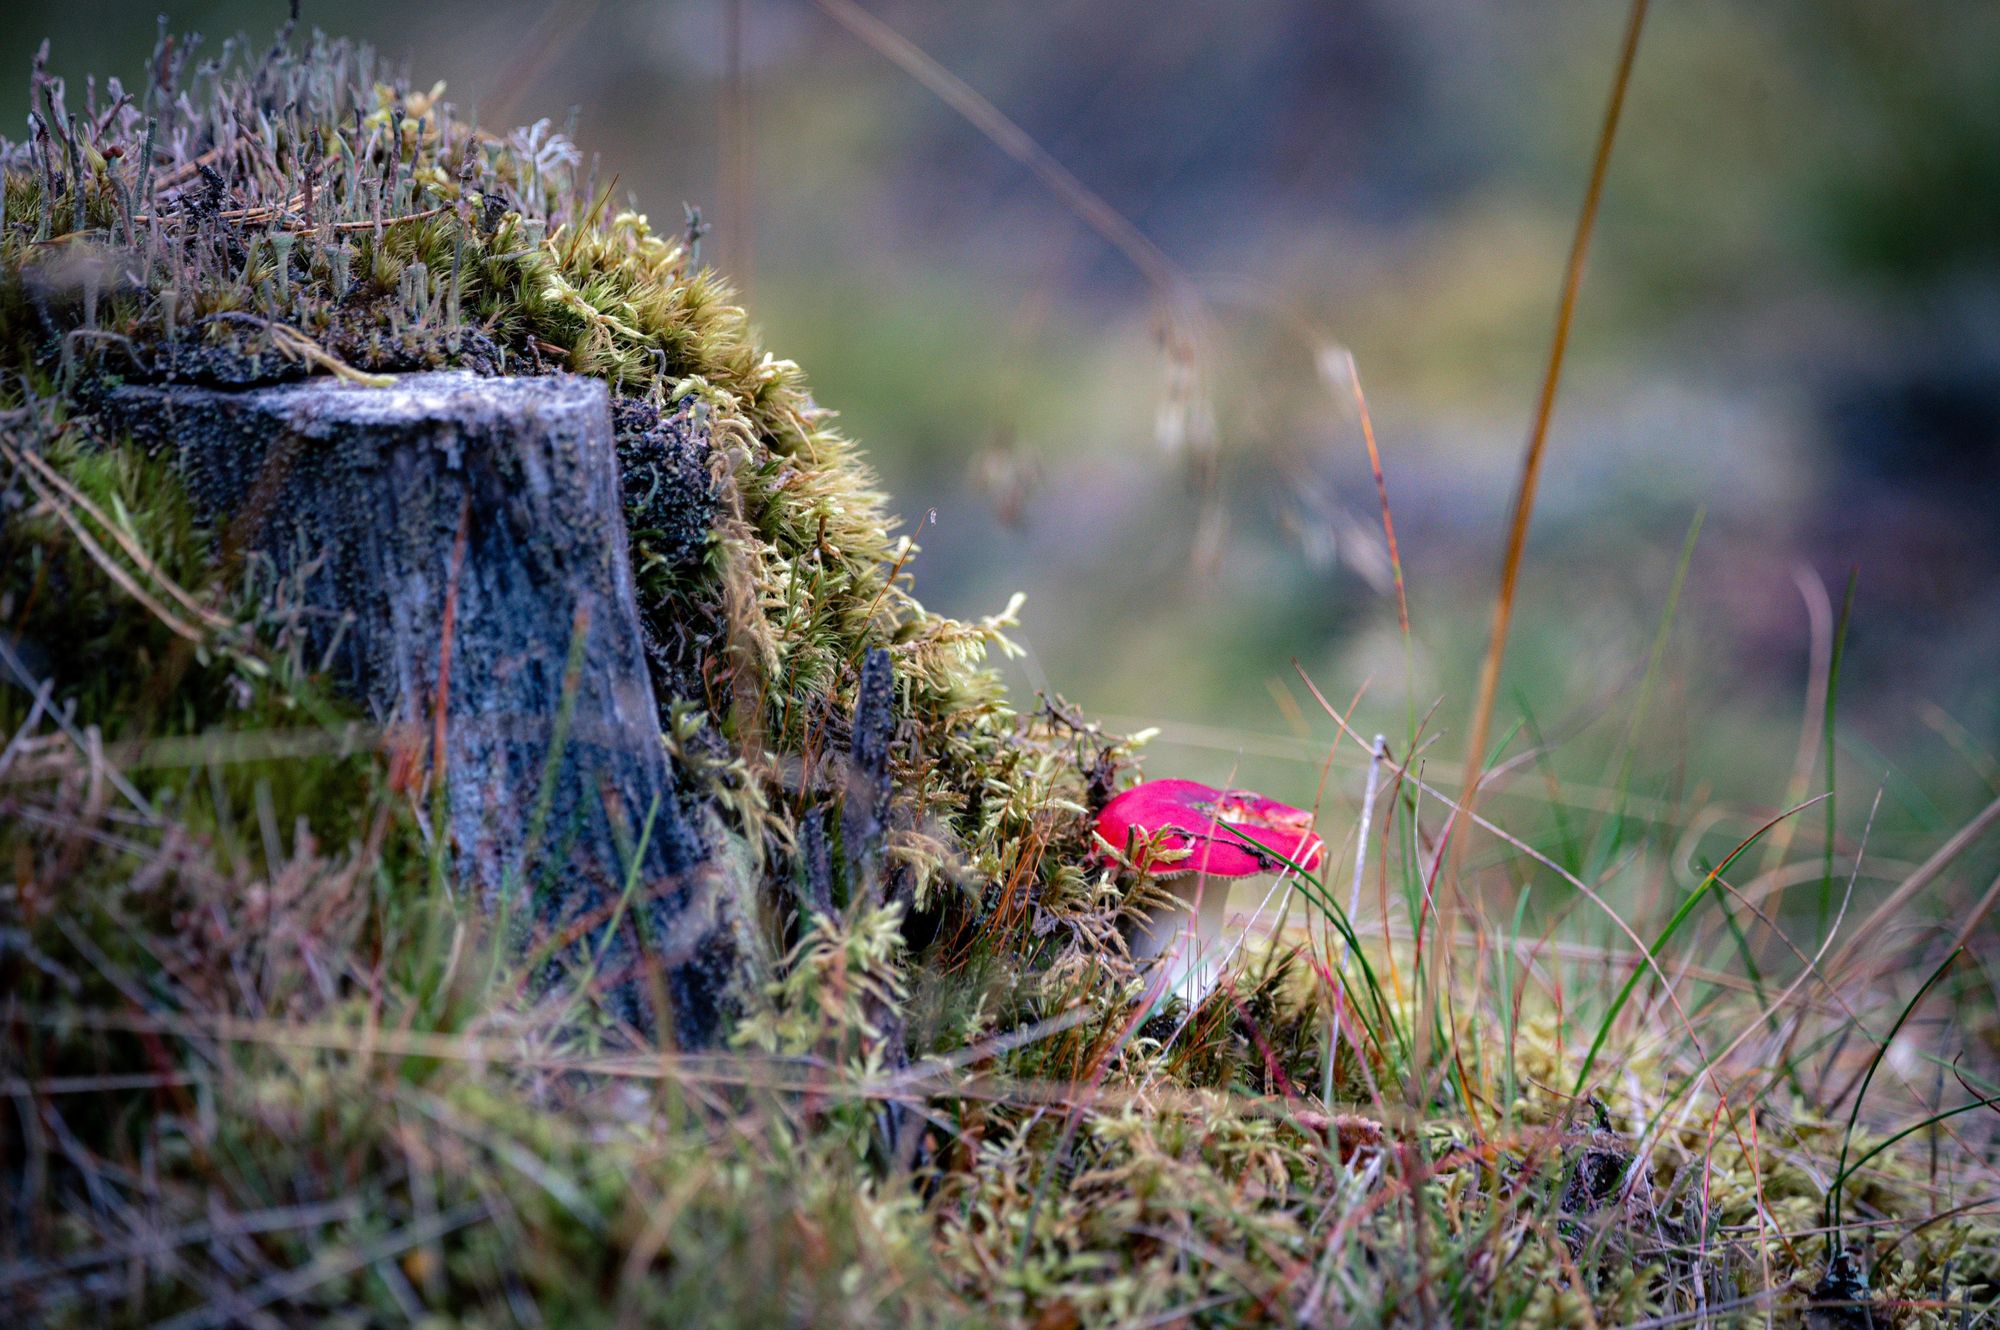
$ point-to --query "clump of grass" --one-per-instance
(262, 1065)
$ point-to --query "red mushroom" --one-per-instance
(1184, 833)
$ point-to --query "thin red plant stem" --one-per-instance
(439, 707)
(1382, 491)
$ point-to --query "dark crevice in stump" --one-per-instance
(502, 496)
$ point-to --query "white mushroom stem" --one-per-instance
(1188, 939)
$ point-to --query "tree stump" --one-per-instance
(491, 505)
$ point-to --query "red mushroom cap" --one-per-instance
(1228, 833)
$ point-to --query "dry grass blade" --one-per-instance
(1819, 619)
(297, 346)
(1488, 687)
(1185, 414)
(1382, 493)
(325, 1268)
(133, 550)
(112, 568)
(1868, 931)
(1538, 437)
(1016, 142)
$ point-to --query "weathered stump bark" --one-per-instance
(492, 504)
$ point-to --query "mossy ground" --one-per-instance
(263, 1066)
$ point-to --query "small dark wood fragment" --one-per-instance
(865, 810)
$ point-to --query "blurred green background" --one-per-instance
(1791, 322)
